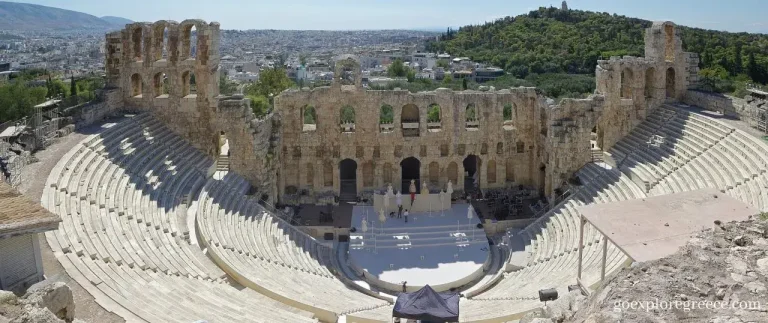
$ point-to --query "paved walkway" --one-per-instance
(32, 184)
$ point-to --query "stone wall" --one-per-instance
(725, 104)
(253, 143)
(311, 154)
(110, 103)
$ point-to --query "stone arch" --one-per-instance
(161, 32)
(368, 174)
(137, 43)
(410, 169)
(650, 76)
(472, 164)
(308, 118)
(137, 85)
(453, 172)
(386, 114)
(434, 173)
(669, 42)
(509, 170)
(387, 173)
(188, 84)
(189, 32)
(500, 148)
(507, 112)
(670, 81)
(347, 118)
(310, 169)
(160, 84)
(491, 172)
(328, 174)
(471, 116)
(348, 71)
(626, 83)
(434, 116)
(409, 120)
(348, 177)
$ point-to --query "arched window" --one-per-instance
(669, 43)
(626, 80)
(347, 119)
(137, 38)
(409, 119)
(506, 113)
(471, 117)
(386, 118)
(160, 42)
(161, 85)
(189, 42)
(188, 84)
(434, 173)
(310, 175)
(500, 148)
(433, 117)
(491, 172)
(368, 174)
(650, 75)
(328, 174)
(387, 173)
(671, 82)
(453, 173)
(309, 118)
(136, 85)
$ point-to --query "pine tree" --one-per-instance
(738, 65)
(72, 86)
(464, 83)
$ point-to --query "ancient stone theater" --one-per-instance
(186, 206)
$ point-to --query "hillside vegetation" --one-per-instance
(551, 40)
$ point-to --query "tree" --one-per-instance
(72, 86)
(448, 79)
(226, 87)
(738, 65)
(464, 83)
(397, 69)
(443, 63)
(259, 105)
(272, 81)
(411, 75)
(303, 59)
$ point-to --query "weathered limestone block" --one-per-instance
(55, 296)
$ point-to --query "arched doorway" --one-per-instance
(471, 173)
(410, 168)
(348, 179)
(671, 83)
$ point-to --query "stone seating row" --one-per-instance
(146, 296)
(135, 231)
(271, 256)
(117, 194)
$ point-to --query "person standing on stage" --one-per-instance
(412, 190)
(406, 215)
(399, 199)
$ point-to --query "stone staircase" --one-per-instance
(222, 163)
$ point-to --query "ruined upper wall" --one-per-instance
(172, 70)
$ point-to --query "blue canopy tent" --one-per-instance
(428, 305)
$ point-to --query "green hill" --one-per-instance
(551, 40)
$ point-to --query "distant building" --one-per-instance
(487, 74)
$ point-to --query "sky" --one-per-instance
(729, 15)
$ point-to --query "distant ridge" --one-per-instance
(16, 16)
(119, 22)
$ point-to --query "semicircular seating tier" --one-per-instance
(121, 194)
(264, 252)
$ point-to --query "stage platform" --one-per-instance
(442, 249)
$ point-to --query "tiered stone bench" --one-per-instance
(121, 238)
(265, 253)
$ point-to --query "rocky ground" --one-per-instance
(44, 302)
(33, 181)
(719, 277)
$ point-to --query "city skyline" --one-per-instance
(423, 15)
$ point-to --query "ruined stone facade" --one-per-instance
(345, 138)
